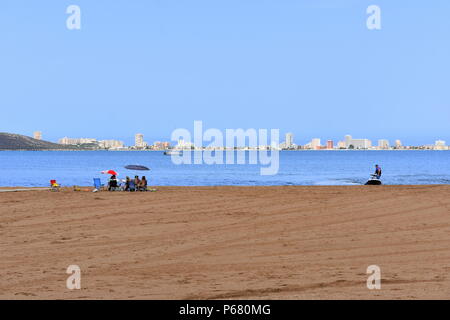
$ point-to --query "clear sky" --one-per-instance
(310, 67)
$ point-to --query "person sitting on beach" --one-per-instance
(377, 171)
(112, 184)
(127, 184)
(143, 184)
(137, 182)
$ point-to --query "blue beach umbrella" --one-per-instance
(137, 167)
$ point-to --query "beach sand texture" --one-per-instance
(289, 242)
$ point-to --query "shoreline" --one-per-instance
(70, 188)
(249, 186)
(300, 150)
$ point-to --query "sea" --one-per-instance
(344, 167)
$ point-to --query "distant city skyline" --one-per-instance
(311, 68)
(348, 142)
(302, 140)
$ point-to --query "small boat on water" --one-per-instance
(373, 181)
(173, 152)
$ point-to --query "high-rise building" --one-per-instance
(289, 140)
(111, 144)
(351, 143)
(398, 144)
(383, 144)
(440, 145)
(341, 145)
(347, 140)
(315, 143)
(139, 140)
(330, 144)
(37, 135)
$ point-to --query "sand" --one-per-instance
(227, 243)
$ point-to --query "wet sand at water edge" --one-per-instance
(287, 242)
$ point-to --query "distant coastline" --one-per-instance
(223, 150)
(16, 142)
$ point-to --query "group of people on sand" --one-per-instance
(141, 184)
(129, 184)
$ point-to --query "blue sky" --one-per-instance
(310, 67)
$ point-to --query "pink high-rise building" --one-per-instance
(330, 144)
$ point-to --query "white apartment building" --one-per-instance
(315, 143)
(111, 144)
(383, 144)
(289, 140)
(37, 135)
(440, 145)
(351, 143)
(341, 145)
(139, 140)
(74, 141)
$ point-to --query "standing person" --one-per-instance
(143, 185)
(377, 171)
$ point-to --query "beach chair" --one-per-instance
(54, 185)
(98, 184)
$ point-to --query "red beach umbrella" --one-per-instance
(111, 172)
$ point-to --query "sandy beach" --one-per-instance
(227, 243)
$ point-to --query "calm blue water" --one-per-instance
(27, 168)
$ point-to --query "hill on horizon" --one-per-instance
(11, 141)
